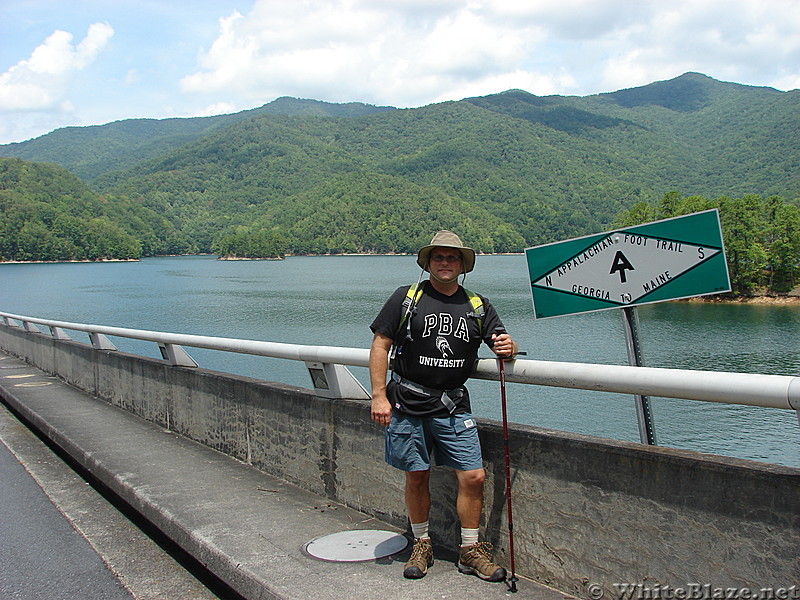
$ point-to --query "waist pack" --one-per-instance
(446, 396)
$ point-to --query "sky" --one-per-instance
(89, 62)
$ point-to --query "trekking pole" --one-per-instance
(512, 582)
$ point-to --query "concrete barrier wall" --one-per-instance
(587, 511)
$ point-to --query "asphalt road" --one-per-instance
(42, 554)
(49, 515)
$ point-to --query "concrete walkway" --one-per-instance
(246, 527)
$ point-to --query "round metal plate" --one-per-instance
(356, 545)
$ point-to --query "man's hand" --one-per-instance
(504, 346)
(381, 410)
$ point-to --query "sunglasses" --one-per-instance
(446, 258)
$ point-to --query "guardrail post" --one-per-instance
(176, 356)
(58, 333)
(335, 381)
(101, 342)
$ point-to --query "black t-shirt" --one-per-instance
(441, 354)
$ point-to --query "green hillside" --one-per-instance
(92, 151)
(46, 213)
(508, 170)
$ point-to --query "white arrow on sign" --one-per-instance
(624, 267)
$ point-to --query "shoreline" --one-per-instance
(57, 262)
(233, 258)
(772, 300)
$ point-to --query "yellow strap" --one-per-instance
(414, 293)
(475, 301)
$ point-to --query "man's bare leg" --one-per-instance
(418, 495)
(469, 504)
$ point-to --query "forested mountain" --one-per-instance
(507, 171)
(91, 151)
(691, 133)
(47, 213)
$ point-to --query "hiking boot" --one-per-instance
(421, 559)
(477, 560)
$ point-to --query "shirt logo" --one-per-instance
(444, 346)
(442, 325)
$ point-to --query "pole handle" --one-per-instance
(500, 330)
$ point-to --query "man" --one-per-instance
(434, 337)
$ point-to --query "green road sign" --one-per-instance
(664, 260)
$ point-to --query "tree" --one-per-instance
(744, 230)
(762, 237)
(249, 242)
(782, 242)
(105, 240)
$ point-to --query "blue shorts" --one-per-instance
(452, 441)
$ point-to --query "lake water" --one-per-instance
(331, 300)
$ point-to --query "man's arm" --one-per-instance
(378, 367)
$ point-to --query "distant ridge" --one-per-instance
(688, 92)
(127, 141)
(286, 105)
(508, 170)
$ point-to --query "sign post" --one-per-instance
(644, 416)
(675, 258)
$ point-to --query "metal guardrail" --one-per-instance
(327, 367)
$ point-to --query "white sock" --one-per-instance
(420, 530)
(469, 537)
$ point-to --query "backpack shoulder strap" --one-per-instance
(413, 295)
(477, 307)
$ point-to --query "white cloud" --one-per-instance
(787, 82)
(182, 57)
(566, 19)
(344, 50)
(412, 52)
(735, 40)
(41, 82)
(219, 108)
(466, 44)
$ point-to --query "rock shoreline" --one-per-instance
(788, 299)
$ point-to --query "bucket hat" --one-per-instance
(447, 239)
